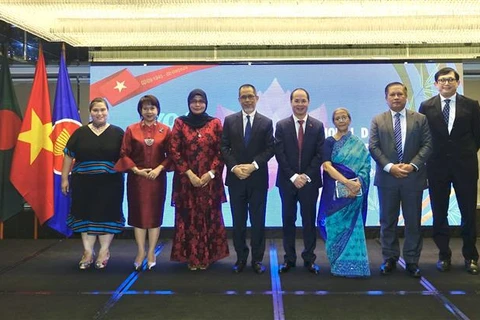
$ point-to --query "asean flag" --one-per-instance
(32, 163)
(65, 121)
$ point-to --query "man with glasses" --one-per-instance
(247, 145)
(298, 149)
(454, 121)
(400, 143)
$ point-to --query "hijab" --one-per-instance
(196, 120)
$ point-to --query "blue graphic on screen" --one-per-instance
(357, 87)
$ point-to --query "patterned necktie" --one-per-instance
(397, 132)
(300, 141)
(446, 111)
(248, 131)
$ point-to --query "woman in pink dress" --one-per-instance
(200, 236)
(144, 154)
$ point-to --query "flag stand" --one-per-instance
(1, 230)
(35, 228)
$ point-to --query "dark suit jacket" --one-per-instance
(417, 149)
(259, 149)
(286, 151)
(457, 150)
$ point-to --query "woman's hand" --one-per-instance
(354, 186)
(194, 179)
(142, 172)
(205, 179)
(153, 174)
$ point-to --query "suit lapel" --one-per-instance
(389, 124)
(257, 122)
(409, 121)
(291, 135)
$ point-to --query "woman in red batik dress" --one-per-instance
(200, 236)
(144, 154)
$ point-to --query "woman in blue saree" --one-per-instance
(343, 204)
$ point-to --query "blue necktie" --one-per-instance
(446, 111)
(397, 132)
(248, 131)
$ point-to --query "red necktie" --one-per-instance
(300, 141)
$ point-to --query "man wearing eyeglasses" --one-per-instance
(454, 122)
(299, 142)
(247, 145)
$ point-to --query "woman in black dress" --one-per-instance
(96, 188)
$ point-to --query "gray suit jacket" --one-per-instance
(417, 149)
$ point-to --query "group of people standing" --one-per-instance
(198, 147)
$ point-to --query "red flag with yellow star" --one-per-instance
(32, 163)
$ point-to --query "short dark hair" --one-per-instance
(95, 101)
(247, 85)
(297, 89)
(148, 99)
(445, 71)
(396, 83)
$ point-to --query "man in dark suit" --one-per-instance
(400, 143)
(454, 121)
(247, 145)
(298, 149)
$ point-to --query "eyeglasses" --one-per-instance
(342, 118)
(199, 101)
(247, 97)
(446, 80)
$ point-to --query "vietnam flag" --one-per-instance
(32, 163)
(66, 120)
(11, 201)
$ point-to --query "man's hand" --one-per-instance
(243, 171)
(398, 172)
(300, 181)
(407, 167)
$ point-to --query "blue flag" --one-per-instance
(66, 119)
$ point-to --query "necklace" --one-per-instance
(148, 140)
(98, 129)
(198, 133)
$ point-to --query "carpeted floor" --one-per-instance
(39, 279)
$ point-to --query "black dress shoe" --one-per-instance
(312, 267)
(413, 270)
(444, 265)
(239, 266)
(258, 267)
(286, 267)
(471, 266)
(388, 266)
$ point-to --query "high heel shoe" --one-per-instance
(137, 263)
(151, 265)
(137, 266)
(84, 263)
(99, 264)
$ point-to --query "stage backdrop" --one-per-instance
(357, 87)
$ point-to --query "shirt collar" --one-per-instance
(296, 119)
(252, 114)
(452, 98)
(403, 112)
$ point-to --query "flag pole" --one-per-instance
(35, 227)
(1, 230)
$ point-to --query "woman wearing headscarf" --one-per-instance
(144, 155)
(198, 192)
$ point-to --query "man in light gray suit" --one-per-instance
(400, 143)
